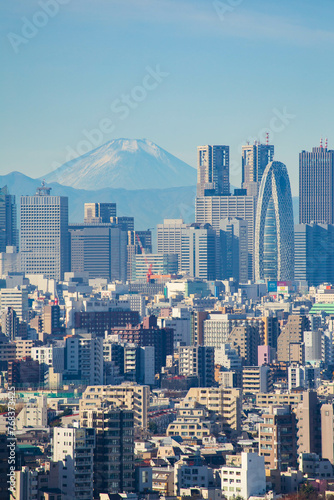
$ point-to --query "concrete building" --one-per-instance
(132, 396)
(292, 333)
(303, 376)
(213, 175)
(169, 237)
(73, 448)
(265, 355)
(245, 339)
(227, 357)
(114, 450)
(217, 328)
(224, 401)
(44, 234)
(277, 399)
(256, 379)
(197, 361)
(274, 229)
(309, 424)
(190, 472)
(99, 212)
(158, 264)
(212, 209)
(277, 438)
(84, 357)
(316, 186)
(245, 480)
(327, 430)
(233, 238)
(17, 299)
(33, 414)
(99, 250)
(181, 327)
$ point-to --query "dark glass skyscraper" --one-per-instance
(316, 186)
(8, 227)
(255, 158)
(213, 174)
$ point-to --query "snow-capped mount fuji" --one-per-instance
(125, 163)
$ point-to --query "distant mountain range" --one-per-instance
(128, 172)
(125, 163)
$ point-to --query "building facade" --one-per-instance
(274, 229)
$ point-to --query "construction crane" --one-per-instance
(149, 266)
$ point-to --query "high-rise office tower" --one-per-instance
(44, 234)
(314, 253)
(198, 251)
(212, 209)
(316, 185)
(234, 249)
(213, 175)
(169, 237)
(99, 212)
(99, 249)
(274, 230)
(8, 228)
(255, 158)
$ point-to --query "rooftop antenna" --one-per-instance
(43, 190)
(321, 142)
(267, 138)
(326, 143)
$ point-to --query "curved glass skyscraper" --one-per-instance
(274, 229)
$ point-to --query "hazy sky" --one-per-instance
(227, 71)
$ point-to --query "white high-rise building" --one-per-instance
(44, 234)
(74, 449)
(17, 299)
(246, 479)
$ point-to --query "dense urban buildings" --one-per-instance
(199, 365)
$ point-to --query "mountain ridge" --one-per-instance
(131, 164)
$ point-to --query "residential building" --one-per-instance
(244, 480)
(197, 361)
(223, 401)
(131, 396)
(309, 424)
(256, 379)
(277, 438)
(84, 357)
(74, 449)
(327, 431)
(292, 333)
(114, 449)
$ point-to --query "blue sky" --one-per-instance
(234, 68)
